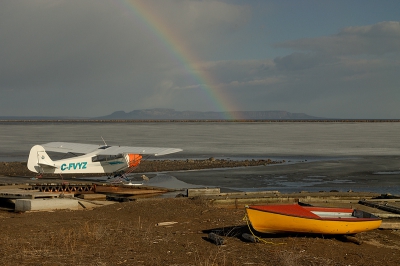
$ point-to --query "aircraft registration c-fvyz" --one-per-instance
(90, 159)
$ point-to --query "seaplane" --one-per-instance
(90, 158)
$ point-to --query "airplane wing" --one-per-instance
(112, 150)
(68, 147)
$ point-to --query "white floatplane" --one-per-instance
(89, 158)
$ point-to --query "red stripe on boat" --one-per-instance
(290, 209)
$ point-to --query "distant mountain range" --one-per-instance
(171, 114)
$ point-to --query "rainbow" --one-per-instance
(175, 45)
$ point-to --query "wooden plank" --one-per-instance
(92, 196)
(272, 193)
(126, 190)
(382, 206)
(26, 194)
(390, 225)
(349, 197)
(194, 192)
(386, 215)
(385, 200)
(241, 203)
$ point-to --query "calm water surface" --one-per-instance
(212, 139)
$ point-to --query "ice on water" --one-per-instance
(212, 139)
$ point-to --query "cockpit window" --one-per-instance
(104, 158)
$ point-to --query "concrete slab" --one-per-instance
(22, 205)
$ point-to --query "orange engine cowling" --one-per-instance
(133, 159)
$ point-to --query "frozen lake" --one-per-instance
(323, 156)
(223, 139)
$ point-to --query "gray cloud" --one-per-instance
(92, 57)
(350, 76)
(301, 61)
(378, 39)
(106, 51)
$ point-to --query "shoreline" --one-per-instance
(22, 120)
(378, 174)
(13, 169)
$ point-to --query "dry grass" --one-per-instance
(127, 234)
(92, 243)
(89, 238)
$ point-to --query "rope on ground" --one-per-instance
(246, 218)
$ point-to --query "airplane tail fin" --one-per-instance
(38, 158)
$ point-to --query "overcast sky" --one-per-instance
(87, 58)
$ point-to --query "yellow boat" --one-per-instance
(293, 218)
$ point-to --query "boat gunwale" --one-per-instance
(314, 216)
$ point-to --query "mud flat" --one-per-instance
(379, 174)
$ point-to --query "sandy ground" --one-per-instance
(127, 233)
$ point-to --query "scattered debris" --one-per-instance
(216, 239)
(165, 223)
(249, 238)
(348, 238)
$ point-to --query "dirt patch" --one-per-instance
(127, 234)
